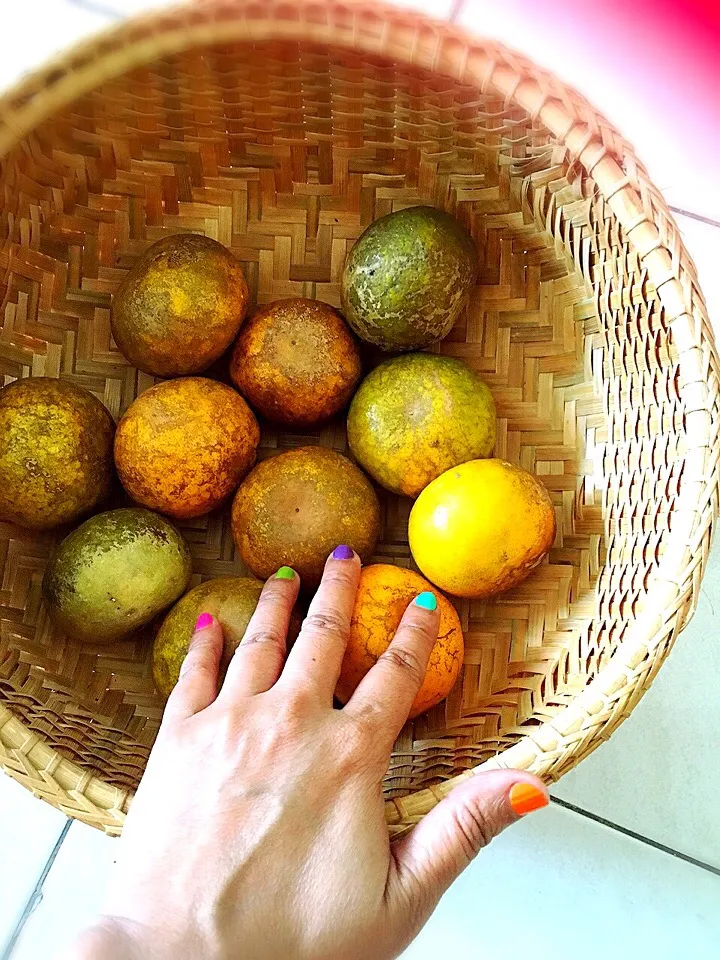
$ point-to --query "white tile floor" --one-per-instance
(560, 885)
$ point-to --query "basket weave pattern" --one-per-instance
(282, 131)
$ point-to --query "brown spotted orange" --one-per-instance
(296, 362)
(298, 506)
(382, 598)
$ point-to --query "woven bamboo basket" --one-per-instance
(282, 130)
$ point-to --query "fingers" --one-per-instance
(197, 686)
(427, 860)
(258, 661)
(389, 688)
(317, 655)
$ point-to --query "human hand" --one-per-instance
(258, 831)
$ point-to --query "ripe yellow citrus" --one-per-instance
(481, 527)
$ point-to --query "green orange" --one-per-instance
(415, 416)
(408, 278)
(114, 573)
(230, 600)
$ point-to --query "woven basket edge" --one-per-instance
(591, 142)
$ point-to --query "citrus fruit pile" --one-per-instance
(419, 425)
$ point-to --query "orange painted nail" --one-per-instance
(524, 798)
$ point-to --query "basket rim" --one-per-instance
(591, 144)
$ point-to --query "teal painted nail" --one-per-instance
(285, 573)
(426, 600)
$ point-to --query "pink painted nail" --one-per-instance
(204, 620)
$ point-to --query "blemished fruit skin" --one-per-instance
(382, 598)
(184, 445)
(55, 452)
(231, 601)
(115, 573)
(180, 307)
(408, 278)
(481, 528)
(415, 416)
(295, 508)
(297, 362)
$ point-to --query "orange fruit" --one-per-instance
(382, 598)
(296, 362)
(296, 507)
(481, 527)
(55, 452)
(408, 278)
(180, 306)
(184, 445)
(416, 416)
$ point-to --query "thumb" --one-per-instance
(441, 846)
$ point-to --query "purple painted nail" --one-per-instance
(343, 552)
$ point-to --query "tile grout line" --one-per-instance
(695, 216)
(36, 895)
(663, 848)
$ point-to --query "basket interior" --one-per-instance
(285, 153)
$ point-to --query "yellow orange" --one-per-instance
(382, 598)
(481, 527)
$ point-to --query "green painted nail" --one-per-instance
(285, 573)
(426, 600)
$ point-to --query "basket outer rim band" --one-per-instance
(375, 29)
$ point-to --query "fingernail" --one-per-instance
(524, 798)
(426, 600)
(343, 552)
(204, 620)
(285, 573)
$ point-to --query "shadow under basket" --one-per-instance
(283, 131)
